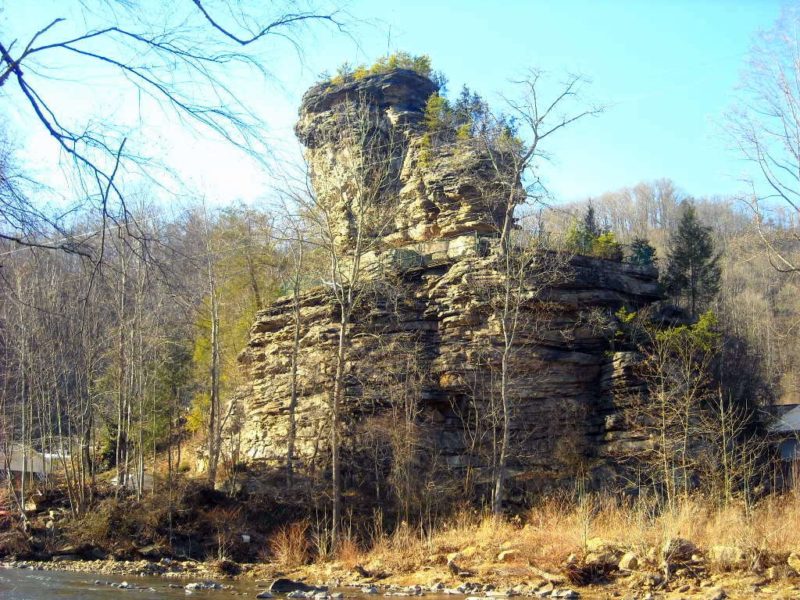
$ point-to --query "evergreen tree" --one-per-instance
(692, 270)
(642, 252)
(590, 222)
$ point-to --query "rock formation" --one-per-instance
(421, 384)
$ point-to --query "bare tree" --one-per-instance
(524, 270)
(668, 418)
(765, 128)
(179, 59)
(297, 250)
(348, 217)
(214, 437)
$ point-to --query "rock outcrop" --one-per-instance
(423, 365)
(375, 128)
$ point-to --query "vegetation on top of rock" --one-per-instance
(588, 238)
(584, 236)
(466, 120)
(420, 64)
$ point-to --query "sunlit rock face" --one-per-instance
(376, 125)
(422, 384)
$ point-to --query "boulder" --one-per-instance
(727, 557)
(678, 550)
(599, 545)
(283, 585)
(370, 590)
(152, 552)
(66, 558)
(202, 585)
(508, 555)
(794, 562)
(628, 562)
(66, 550)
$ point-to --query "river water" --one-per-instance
(29, 584)
(26, 584)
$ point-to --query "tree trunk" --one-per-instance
(290, 442)
(338, 390)
(214, 432)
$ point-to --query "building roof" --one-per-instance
(787, 422)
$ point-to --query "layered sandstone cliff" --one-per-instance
(423, 364)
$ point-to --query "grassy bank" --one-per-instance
(597, 540)
(548, 534)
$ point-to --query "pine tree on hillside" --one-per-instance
(693, 270)
(590, 222)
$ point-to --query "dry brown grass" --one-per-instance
(14, 543)
(289, 546)
(348, 553)
(770, 525)
(556, 528)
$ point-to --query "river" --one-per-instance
(27, 584)
(30, 584)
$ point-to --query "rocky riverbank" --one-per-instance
(686, 577)
(597, 549)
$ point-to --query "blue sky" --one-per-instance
(666, 71)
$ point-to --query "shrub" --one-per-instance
(289, 545)
(585, 237)
(578, 239)
(425, 150)
(226, 522)
(398, 60)
(403, 60)
(14, 543)
(348, 552)
(625, 316)
(197, 418)
(343, 73)
(464, 132)
(437, 112)
(702, 336)
(98, 526)
(606, 246)
(360, 72)
(114, 520)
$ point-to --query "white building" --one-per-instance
(16, 459)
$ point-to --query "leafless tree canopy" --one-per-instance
(186, 61)
(765, 128)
